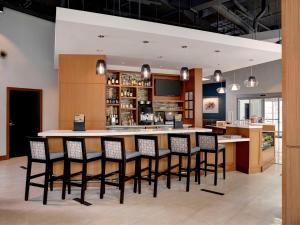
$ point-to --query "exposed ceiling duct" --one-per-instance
(231, 16)
(264, 8)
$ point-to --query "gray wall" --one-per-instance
(268, 75)
(29, 42)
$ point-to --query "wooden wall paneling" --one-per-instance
(291, 111)
(81, 91)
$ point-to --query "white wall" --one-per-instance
(268, 75)
(29, 43)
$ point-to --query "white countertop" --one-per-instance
(245, 126)
(144, 126)
(223, 139)
(101, 133)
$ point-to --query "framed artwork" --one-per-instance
(210, 105)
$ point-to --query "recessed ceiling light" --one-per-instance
(184, 46)
(217, 51)
(146, 42)
(100, 36)
(160, 57)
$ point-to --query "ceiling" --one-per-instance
(77, 32)
(232, 17)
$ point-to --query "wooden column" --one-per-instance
(81, 91)
(291, 111)
(194, 84)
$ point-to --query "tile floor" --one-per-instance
(248, 200)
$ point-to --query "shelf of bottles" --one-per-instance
(112, 99)
(123, 92)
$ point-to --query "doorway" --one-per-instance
(24, 118)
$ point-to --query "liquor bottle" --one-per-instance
(109, 81)
(122, 93)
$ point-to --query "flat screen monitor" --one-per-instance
(165, 87)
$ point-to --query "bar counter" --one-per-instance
(92, 140)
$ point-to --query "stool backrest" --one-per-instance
(39, 149)
(74, 148)
(147, 145)
(113, 148)
(207, 140)
(179, 143)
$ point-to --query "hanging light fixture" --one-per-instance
(235, 86)
(184, 74)
(146, 71)
(100, 67)
(221, 90)
(218, 76)
(251, 82)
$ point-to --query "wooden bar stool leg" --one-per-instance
(149, 171)
(205, 163)
(169, 172)
(156, 177)
(199, 171)
(102, 186)
(224, 163)
(120, 174)
(216, 168)
(51, 176)
(188, 173)
(69, 176)
(83, 182)
(46, 182)
(135, 175)
(196, 167)
(139, 175)
(122, 182)
(65, 177)
(28, 174)
(180, 167)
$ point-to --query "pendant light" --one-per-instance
(235, 86)
(184, 74)
(218, 76)
(100, 67)
(251, 82)
(146, 71)
(221, 90)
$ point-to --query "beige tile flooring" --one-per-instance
(248, 200)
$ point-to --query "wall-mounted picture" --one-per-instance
(210, 105)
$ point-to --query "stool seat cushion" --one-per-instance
(92, 155)
(194, 150)
(56, 155)
(221, 146)
(164, 152)
(130, 155)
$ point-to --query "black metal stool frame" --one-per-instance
(156, 159)
(84, 177)
(189, 155)
(216, 151)
(49, 178)
(122, 170)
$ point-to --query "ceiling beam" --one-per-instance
(208, 4)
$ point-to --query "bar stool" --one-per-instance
(148, 147)
(39, 153)
(113, 150)
(75, 152)
(180, 145)
(208, 143)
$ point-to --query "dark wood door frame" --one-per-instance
(8, 89)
